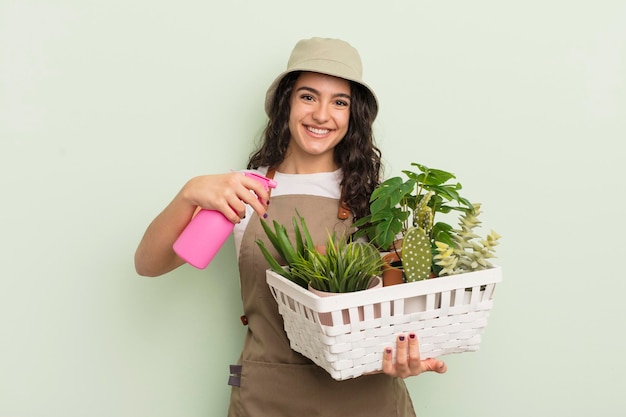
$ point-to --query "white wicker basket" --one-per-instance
(346, 333)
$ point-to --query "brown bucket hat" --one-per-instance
(326, 56)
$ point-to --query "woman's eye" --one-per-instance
(342, 103)
(306, 97)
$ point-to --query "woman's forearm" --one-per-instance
(154, 255)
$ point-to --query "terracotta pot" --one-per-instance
(391, 274)
(327, 319)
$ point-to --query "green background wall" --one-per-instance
(108, 107)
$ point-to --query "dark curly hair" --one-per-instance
(356, 154)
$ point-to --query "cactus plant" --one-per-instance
(416, 255)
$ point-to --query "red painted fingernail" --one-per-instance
(412, 336)
(388, 351)
(401, 338)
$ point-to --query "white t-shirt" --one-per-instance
(324, 184)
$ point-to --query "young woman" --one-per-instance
(318, 146)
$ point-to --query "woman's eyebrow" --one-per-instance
(314, 91)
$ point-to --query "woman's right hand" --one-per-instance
(227, 193)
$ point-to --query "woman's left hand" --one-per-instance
(408, 361)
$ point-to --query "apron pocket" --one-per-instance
(277, 390)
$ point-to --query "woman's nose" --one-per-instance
(321, 114)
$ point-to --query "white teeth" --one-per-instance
(318, 131)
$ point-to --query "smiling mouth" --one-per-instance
(317, 131)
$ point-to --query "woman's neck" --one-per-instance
(306, 166)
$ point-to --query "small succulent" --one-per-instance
(469, 252)
(345, 265)
(290, 252)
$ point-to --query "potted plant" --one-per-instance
(338, 267)
(402, 222)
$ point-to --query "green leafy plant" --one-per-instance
(345, 265)
(403, 210)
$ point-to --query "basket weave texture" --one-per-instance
(346, 333)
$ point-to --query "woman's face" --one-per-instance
(319, 118)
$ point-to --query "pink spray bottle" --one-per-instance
(207, 231)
